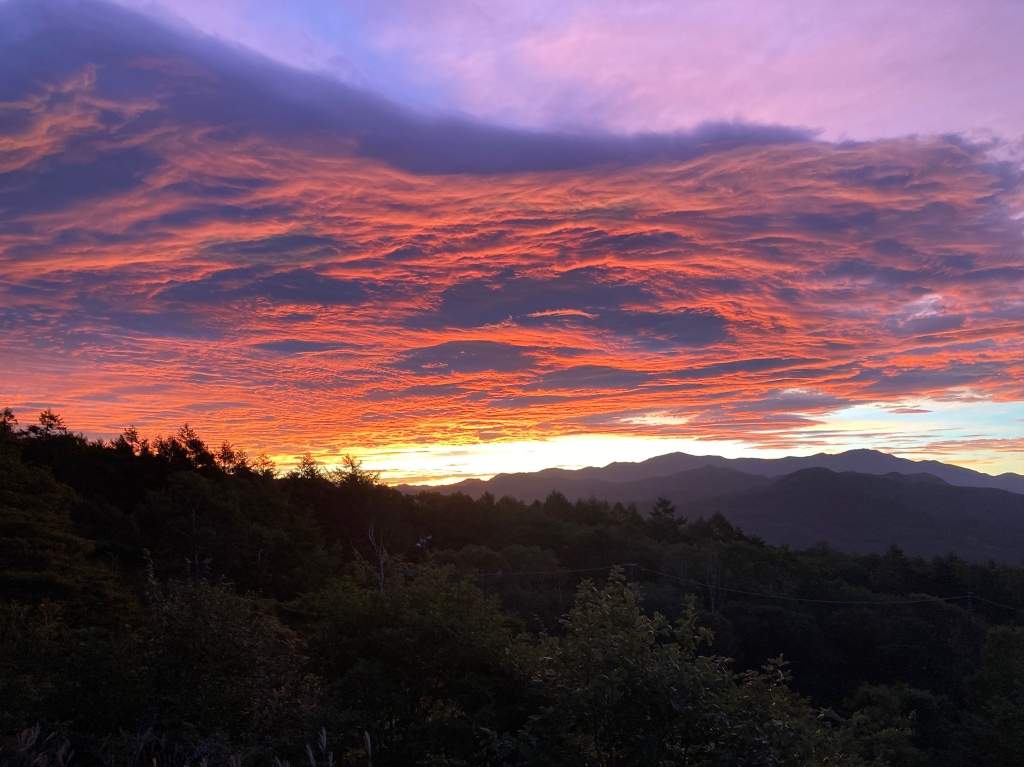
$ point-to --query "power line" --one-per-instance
(996, 604)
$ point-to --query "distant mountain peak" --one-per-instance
(644, 480)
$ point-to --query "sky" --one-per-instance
(861, 71)
(463, 238)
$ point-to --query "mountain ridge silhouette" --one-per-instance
(917, 509)
(529, 486)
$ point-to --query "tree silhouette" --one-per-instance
(664, 510)
(308, 468)
(50, 423)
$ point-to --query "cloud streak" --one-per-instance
(170, 250)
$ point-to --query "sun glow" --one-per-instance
(926, 429)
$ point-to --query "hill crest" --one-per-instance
(631, 476)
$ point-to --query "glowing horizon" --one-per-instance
(871, 428)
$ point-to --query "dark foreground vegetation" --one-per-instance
(167, 603)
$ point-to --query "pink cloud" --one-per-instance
(854, 70)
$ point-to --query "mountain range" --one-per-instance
(858, 501)
(671, 475)
(866, 513)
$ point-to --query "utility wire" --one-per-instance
(989, 601)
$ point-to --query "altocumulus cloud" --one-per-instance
(186, 218)
(584, 297)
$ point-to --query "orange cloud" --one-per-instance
(294, 293)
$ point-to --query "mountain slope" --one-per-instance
(680, 487)
(861, 461)
(582, 483)
(865, 513)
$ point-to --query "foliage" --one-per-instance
(41, 557)
(222, 664)
(419, 666)
(620, 687)
(994, 732)
(897, 725)
(31, 749)
(162, 600)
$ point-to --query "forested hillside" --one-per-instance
(165, 601)
(852, 511)
(866, 513)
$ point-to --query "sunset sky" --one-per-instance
(463, 238)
